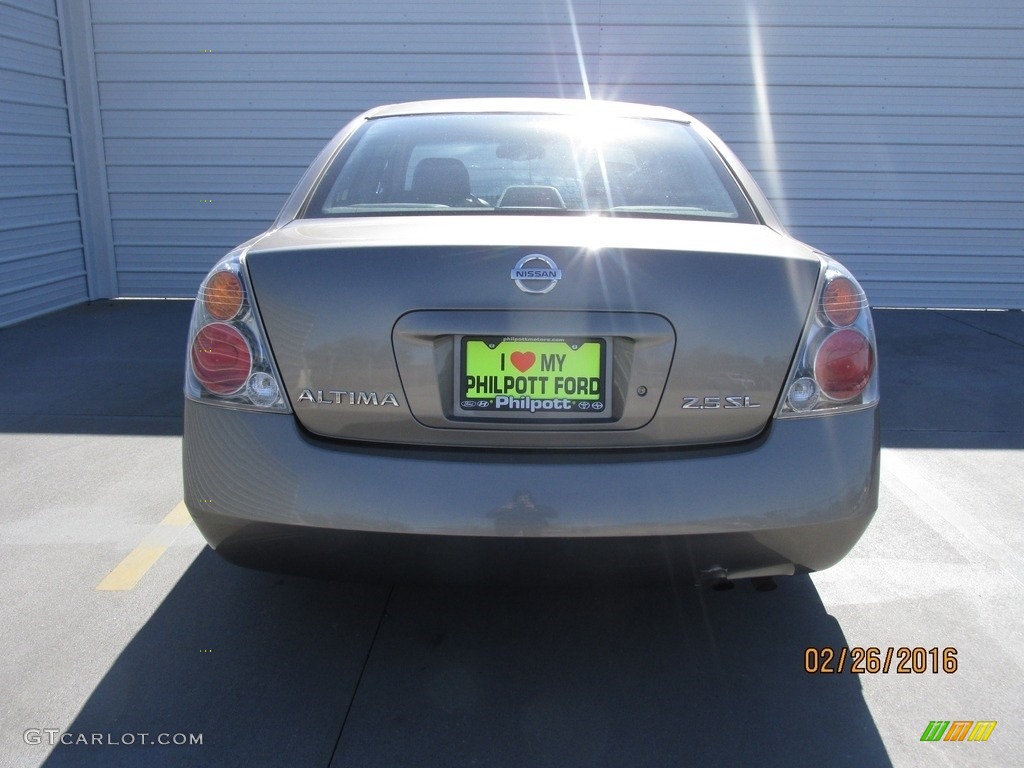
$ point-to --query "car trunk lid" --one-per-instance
(371, 322)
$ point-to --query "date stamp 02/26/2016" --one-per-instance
(871, 660)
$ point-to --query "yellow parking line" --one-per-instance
(127, 574)
(130, 570)
(177, 516)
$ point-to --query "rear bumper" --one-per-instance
(267, 494)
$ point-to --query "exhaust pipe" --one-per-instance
(721, 579)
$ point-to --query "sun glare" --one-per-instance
(765, 132)
(579, 50)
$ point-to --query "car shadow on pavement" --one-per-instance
(258, 666)
(275, 671)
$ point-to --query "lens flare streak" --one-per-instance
(579, 50)
(765, 131)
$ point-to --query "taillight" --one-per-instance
(841, 301)
(835, 367)
(221, 358)
(229, 360)
(844, 364)
(223, 295)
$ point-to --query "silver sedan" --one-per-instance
(530, 340)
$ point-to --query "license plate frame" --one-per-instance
(533, 379)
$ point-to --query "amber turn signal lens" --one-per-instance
(841, 302)
(223, 295)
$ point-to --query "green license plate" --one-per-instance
(530, 377)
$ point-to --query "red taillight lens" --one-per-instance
(844, 364)
(223, 295)
(221, 358)
(841, 301)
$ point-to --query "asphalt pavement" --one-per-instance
(125, 641)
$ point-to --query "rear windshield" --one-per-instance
(494, 163)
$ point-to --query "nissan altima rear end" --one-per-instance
(531, 341)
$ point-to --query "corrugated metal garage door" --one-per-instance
(897, 125)
(41, 255)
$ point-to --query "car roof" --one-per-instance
(529, 106)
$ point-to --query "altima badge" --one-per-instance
(343, 397)
(536, 273)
